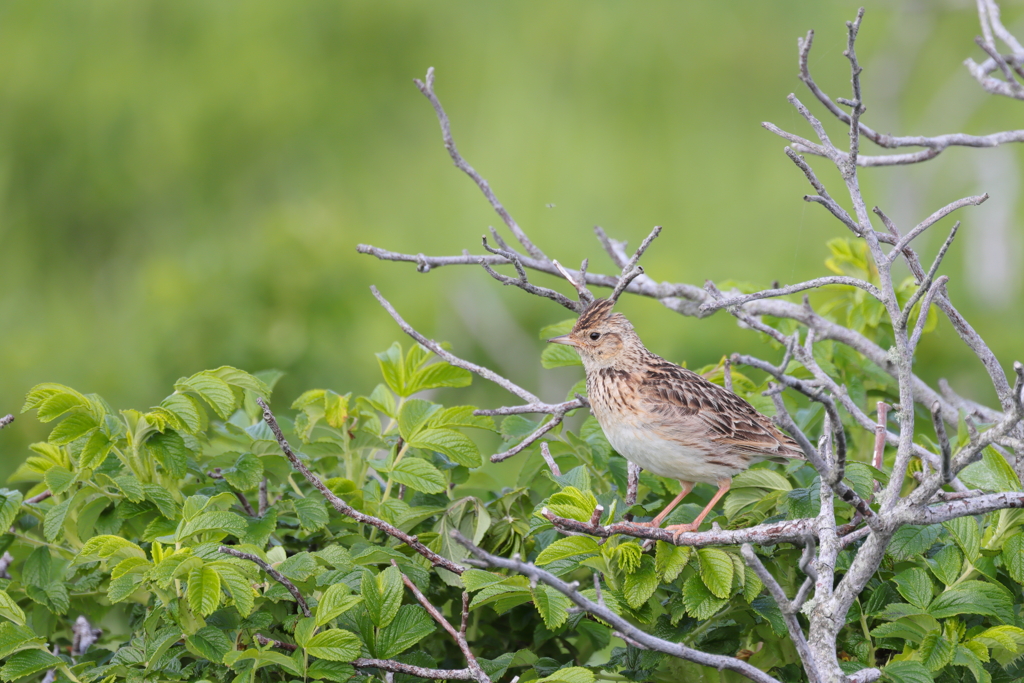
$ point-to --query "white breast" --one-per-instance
(640, 444)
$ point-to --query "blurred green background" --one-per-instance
(183, 185)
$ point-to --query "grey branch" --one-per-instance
(346, 509)
(712, 306)
(418, 671)
(536, 574)
(932, 220)
(6, 420)
(546, 454)
(277, 576)
(427, 88)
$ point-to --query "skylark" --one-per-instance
(668, 420)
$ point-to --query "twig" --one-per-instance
(618, 623)
(263, 640)
(346, 509)
(926, 305)
(38, 498)
(932, 220)
(277, 576)
(631, 270)
(427, 89)
(556, 419)
(841, 280)
(417, 671)
(6, 420)
(552, 465)
(579, 285)
(264, 498)
(523, 282)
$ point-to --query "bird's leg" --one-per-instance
(656, 522)
(723, 488)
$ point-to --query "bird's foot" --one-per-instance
(678, 529)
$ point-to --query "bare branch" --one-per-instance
(418, 671)
(6, 420)
(926, 305)
(38, 498)
(427, 89)
(538, 433)
(346, 509)
(932, 220)
(523, 283)
(451, 358)
(841, 280)
(280, 644)
(579, 285)
(618, 623)
(264, 498)
(546, 454)
(631, 270)
(550, 408)
(277, 576)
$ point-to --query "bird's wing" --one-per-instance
(679, 394)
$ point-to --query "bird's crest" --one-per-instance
(599, 310)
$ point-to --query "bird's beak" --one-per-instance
(564, 339)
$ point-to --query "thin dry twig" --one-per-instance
(346, 509)
(546, 454)
(276, 575)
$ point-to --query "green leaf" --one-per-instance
(298, 567)
(108, 547)
(559, 356)
(639, 586)
(571, 674)
(211, 389)
(905, 629)
(59, 479)
(552, 606)
(304, 630)
(203, 590)
(10, 504)
(53, 523)
(182, 411)
(629, 556)
(53, 400)
(572, 503)
(334, 602)
(332, 671)
(130, 488)
(14, 638)
(312, 513)
(163, 500)
(335, 645)
(245, 474)
(716, 570)
(28, 662)
(947, 564)
(915, 586)
(95, 451)
(419, 475)
(670, 559)
(170, 451)
(455, 445)
(974, 597)
(991, 473)
(964, 531)
(1010, 638)
(10, 610)
(238, 586)
(936, 651)
(210, 643)
(475, 579)
(461, 416)
(762, 479)
(700, 602)
(218, 522)
(769, 610)
(71, 428)
(569, 546)
(911, 541)
(382, 595)
(411, 624)
(413, 415)
(1013, 556)
(437, 375)
(906, 672)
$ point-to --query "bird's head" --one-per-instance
(601, 337)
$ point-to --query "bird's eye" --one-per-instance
(595, 335)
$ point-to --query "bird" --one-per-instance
(670, 421)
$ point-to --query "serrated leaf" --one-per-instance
(211, 643)
(769, 610)
(475, 579)
(461, 416)
(239, 587)
(335, 645)
(217, 522)
(413, 416)
(334, 602)
(974, 597)
(572, 503)
(28, 662)
(382, 595)
(53, 400)
(245, 474)
(95, 451)
(410, 625)
(911, 541)
(568, 546)
(639, 586)
(991, 473)
(905, 629)
(212, 389)
(915, 586)
(419, 475)
(170, 451)
(455, 445)
(312, 513)
(964, 531)
(163, 500)
(906, 672)
(936, 651)
(571, 674)
(700, 602)
(670, 559)
(552, 606)
(763, 479)
(10, 610)
(71, 428)
(203, 590)
(10, 504)
(332, 671)
(1011, 638)
(947, 564)
(1013, 556)
(182, 411)
(53, 523)
(716, 570)
(15, 637)
(559, 356)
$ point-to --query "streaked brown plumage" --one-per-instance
(667, 419)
